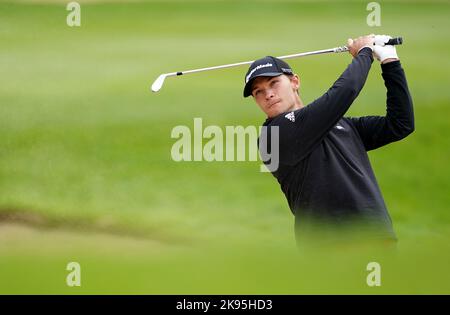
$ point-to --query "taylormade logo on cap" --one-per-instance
(257, 68)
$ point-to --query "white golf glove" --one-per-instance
(381, 51)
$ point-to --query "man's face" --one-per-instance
(276, 95)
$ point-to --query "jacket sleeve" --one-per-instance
(299, 136)
(377, 131)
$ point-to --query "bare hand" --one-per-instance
(355, 45)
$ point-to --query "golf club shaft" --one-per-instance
(392, 41)
(317, 52)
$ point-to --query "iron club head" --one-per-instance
(157, 85)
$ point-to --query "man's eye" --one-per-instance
(257, 92)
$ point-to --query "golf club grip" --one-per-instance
(395, 41)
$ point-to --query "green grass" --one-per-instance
(83, 140)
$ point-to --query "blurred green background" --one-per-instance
(86, 173)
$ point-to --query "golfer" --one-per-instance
(324, 170)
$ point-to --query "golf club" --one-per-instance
(157, 85)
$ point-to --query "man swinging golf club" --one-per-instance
(324, 170)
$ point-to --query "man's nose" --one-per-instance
(269, 94)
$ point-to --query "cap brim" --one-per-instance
(248, 86)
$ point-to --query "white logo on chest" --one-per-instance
(290, 116)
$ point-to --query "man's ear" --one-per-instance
(295, 82)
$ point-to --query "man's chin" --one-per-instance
(276, 108)
(276, 105)
(275, 113)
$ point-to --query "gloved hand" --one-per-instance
(381, 51)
